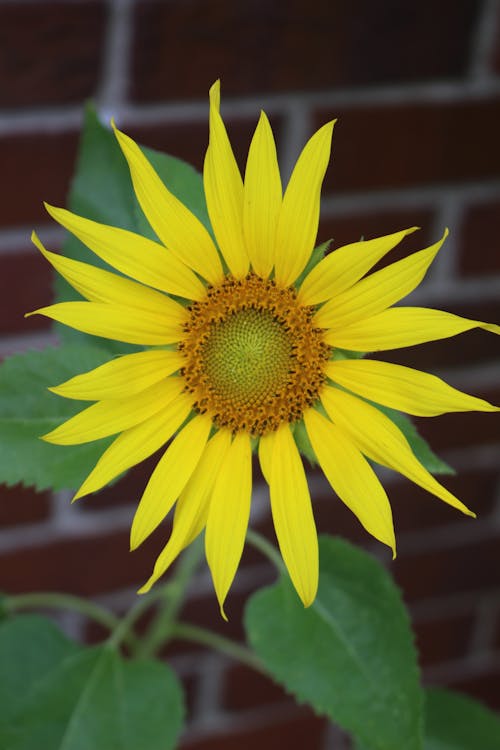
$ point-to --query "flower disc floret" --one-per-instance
(253, 357)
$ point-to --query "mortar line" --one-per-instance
(113, 88)
(483, 43)
(57, 119)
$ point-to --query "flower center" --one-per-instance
(253, 357)
(248, 355)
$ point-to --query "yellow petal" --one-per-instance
(351, 477)
(169, 478)
(118, 322)
(122, 377)
(292, 513)
(224, 192)
(403, 388)
(136, 444)
(191, 509)
(135, 256)
(342, 268)
(98, 285)
(402, 326)
(262, 199)
(379, 439)
(109, 417)
(178, 229)
(228, 516)
(378, 291)
(299, 216)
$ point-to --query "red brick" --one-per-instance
(473, 347)
(85, 566)
(127, 491)
(441, 640)
(50, 53)
(298, 731)
(22, 505)
(458, 430)
(244, 688)
(188, 140)
(414, 508)
(478, 249)
(471, 567)
(36, 168)
(401, 146)
(294, 45)
(347, 229)
(25, 284)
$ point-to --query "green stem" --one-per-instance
(124, 627)
(174, 593)
(260, 542)
(187, 632)
(56, 600)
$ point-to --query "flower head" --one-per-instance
(239, 338)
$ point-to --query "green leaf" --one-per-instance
(351, 654)
(65, 697)
(29, 647)
(28, 410)
(419, 446)
(455, 722)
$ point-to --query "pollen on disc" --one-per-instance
(253, 357)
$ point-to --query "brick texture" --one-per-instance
(478, 252)
(343, 230)
(25, 284)
(19, 505)
(295, 45)
(445, 639)
(400, 146)
(36, 168)
(415, 87)
(50, 53)
(445, 571)
(85, 566)
(293, 733)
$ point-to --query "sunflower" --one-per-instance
(241, 337)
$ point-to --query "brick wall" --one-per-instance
(417, 89)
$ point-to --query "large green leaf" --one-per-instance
(28, 410)
(455, 722)
(351, 654)
(61, 696)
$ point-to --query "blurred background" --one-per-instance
(416, 88)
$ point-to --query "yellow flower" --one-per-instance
(238, 352)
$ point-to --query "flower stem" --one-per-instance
(124, 627)
(56, 600)
(260, 542)
(160, 630)
(187, 632)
